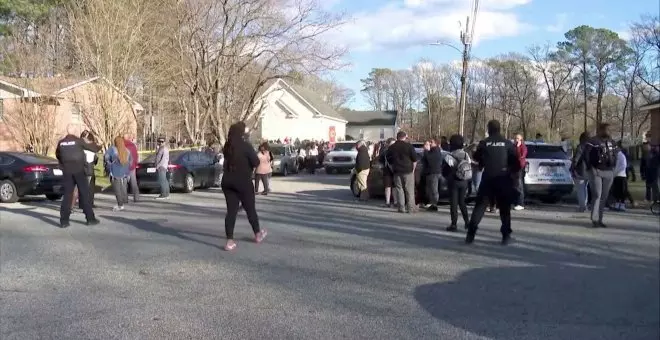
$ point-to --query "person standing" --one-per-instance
(600, 156)
(500, 162)
(403, 159)
(362, 166)
(620, 183)
(649, 168)
(312, 158)
(132, 177)
(444, 144)
(432, 167)
(70, 154)
(91, 158)
(579, 171)
(457, 169)
(240, 162)
(521, 151)
(388, 175)
(264, 169)
(119, 159)
(162, 163)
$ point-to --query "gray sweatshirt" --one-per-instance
(162, 157)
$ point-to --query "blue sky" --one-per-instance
(396, 33)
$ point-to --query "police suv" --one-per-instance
(547, 173)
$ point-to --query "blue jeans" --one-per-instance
(582, 193)
(163, 182)
(476, 181)
(521, 189)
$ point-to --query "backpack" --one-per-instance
(462, 167)
(603, 155)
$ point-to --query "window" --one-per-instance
(382, 134)
(544, 151)
(75, 112)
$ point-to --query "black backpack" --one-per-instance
(603, 155)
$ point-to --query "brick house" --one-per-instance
(654, 110)
(42, 108)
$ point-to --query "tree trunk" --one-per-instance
(584, 88)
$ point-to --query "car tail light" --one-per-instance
(173, 167)
(35, 168)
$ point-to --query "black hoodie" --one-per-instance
(432, 161)
(362, 160)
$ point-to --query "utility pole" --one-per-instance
(466, 41)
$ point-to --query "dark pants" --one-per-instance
(263, 178)
(92, 188)
(164, 183)
(457, 192)
(237, 194)
(432, 188)
(311, 164)
(630, 173)
(499, 189)
(521, 189)
(69, 182)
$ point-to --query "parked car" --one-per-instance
(23, 174)
(340, 158)
(188, 170)
(285, 159)
(547, 173)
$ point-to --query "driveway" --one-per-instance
(330, 269)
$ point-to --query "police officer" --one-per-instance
(70, 153)
(501, 167)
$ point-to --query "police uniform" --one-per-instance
(70, 153)
(499, 160)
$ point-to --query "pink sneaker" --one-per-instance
(260, 236)
(230, 245)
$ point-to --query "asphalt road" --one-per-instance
(330, 269)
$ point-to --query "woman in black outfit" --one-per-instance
(240, 161)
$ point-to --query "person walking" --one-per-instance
(388, 175)
(521, 151)
(118, 159)
(240, 162)
(70, 153)
(457, 170)
(600, 156)
(432, 168)
(264, 169)
(620, 183)
(129, 142)
(501, 165)
(162, 163)
(403, 159)
(362, 167)
(92, 159)
(580, 174)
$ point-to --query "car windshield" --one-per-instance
(36, 159)
(277, 150)
(418, 145)
(344, 147)
(174, 155)
(544, 151)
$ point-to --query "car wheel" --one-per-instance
(285, 171)
(8, 192)
(54, 197)
(354, 187)
(188, 184)
(550, 199)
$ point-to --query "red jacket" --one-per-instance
(134, 153)
(522, 155)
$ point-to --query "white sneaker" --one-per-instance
(118, 208)
(518, 207)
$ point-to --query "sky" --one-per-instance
(397, 34)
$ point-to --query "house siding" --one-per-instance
(371, 132)
(275, 124)
(655, 126)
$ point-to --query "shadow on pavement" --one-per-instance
(488, 302)
(30, 212)
(323, 179)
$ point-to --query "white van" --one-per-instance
(547, 173)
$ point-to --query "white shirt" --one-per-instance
(621, 165)
(301, 153)
(314, 152)
(89, 156)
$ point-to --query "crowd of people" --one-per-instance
(494, 170)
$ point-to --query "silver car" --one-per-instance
(285, 160)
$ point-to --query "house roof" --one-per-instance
(364, 118)
(650, 106)
(315, 101)
(41, 85)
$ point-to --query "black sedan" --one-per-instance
(23, 174)
(187, 171)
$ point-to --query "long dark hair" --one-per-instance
(231, 149)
